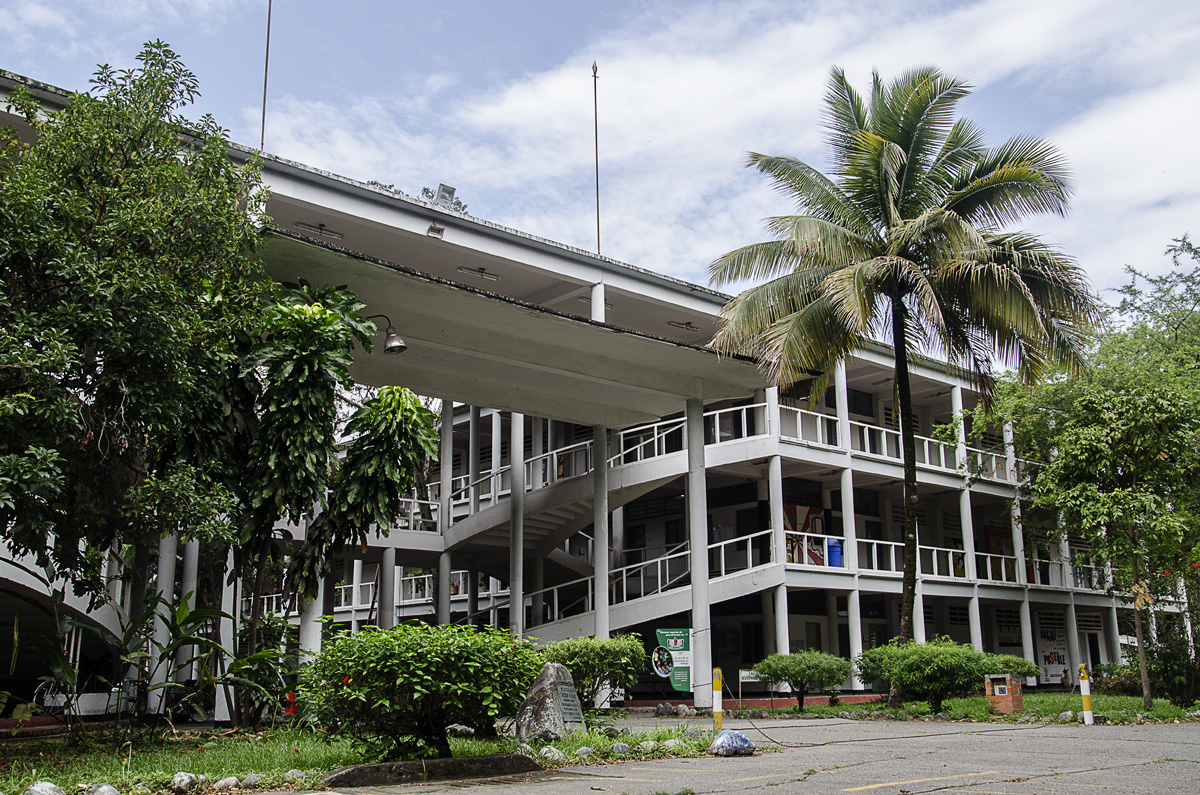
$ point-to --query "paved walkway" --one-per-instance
(890, 758)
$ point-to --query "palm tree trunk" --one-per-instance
(908, 446)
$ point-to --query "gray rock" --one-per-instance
(585, 752)
(731, 743)
(229, 782)
(251, 780)
(611, 732)
(844, 715)
(620, 749)
(1068, 715)
(183, 783)
(552, 754)
(294, 775)
(672, 744)
(44, 788)
(103, 789)
(681, 710)
(648, 747)
(458, 730)
(525, 749)
(541, 713)
(941, 716)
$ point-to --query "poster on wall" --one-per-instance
(672, 660)
(806, 520)
(1052, 648)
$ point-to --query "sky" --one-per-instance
(496, 99)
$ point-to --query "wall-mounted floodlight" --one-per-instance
(392, 344)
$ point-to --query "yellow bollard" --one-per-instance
(1085, 690)
(717, 684)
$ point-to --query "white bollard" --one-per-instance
(717, 685)
(1085, 690)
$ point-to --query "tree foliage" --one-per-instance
(597, 665)
(126, 257)
(804, 671)
(906, 243)
(396, 691)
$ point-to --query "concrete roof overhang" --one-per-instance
(472, 346)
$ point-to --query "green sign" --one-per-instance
(673, 658)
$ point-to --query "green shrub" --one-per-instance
(804, 671)
(1174, 671)
(599, 664)
(1117, 680)
(396, 691)
(938, 669)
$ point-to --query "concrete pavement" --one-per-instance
(889, 758)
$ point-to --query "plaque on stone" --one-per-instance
(572, 712)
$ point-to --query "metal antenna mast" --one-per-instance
(262, 140)
(596, 117)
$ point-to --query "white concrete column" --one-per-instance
(446, 465)
(497, 446)
(697, 522)
(516, 564)
(600, 559)
(597, 299)
(1112, 633)
(766, 605)
(919, 614)
(168, 547)
(221, 707)
(1010, 451)
(775, 503)
(539, 471)
(831, 617)
(967, 519)
(472, 596)
(975, 621)
(783, 639)
(443, 591)
(772, 424)
(187, 595)
(960, 446)
(1027, 631)
(537, 600)
(473, 457)
(1018, 543)
(842, 397)
(1072, 640)
(849, 521)
(385, 597)
(310, 624)
(854, 620)
(618, 536)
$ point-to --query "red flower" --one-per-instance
(346, 681)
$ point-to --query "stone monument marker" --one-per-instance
(551, 710)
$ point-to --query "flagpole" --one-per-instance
(596, 118)
(262, 140)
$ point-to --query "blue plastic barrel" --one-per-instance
(835, 553)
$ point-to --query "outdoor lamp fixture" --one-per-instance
(482, 273)
(685, 326)
(436, 230)
(392, 344)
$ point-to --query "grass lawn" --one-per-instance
(1117, 709)
(147, 764)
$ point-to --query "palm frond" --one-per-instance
(820, 242)
(1025, 176)
(812, 191)
(845, 115)
(765, 260)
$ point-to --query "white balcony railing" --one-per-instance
(881, 557)
(739, 554)
(812, 550)
(996, 568)
(942, 562)
(739, 422)
(646, 442)
(809, 427)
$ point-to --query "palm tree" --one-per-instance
(906, 243)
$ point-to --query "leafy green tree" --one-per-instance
(127, 238)
(906, 243)
(1122, 457)
(598, 665)
(391, 437)
(396, 691)
(804, 671)
(936, 670)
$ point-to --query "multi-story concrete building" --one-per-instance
(608, 473)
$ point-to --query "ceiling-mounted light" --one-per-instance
(318, 229)
(685, 326)
(436, 230)
(587, 300)
(392, 344)
(881, 382)
(482, 273)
